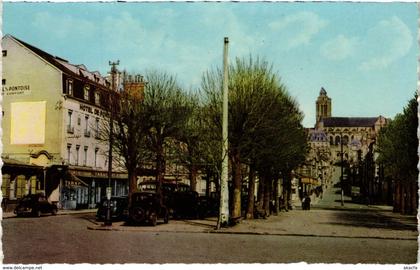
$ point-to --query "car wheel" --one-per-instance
(54, 211)
(153, 219)
(137, 215)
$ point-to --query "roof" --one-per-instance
(349, 121)
(64, 65)
(317, 136)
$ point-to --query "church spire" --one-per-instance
(323, 106)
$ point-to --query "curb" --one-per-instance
(139, 229)
(320, 235)
(12, 215)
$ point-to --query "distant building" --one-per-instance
(52, 111)
(356, 133)
(354, 136)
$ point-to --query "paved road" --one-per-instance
(329, 233)
(65, 239)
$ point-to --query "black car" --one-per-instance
(180, 200)
(35, 205)
(147, 207)
(119, 208)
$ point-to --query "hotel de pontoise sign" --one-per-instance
(15, 90)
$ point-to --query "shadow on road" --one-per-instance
(373, 219)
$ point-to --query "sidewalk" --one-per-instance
(374, 223)
(327, 218)
(6, 215)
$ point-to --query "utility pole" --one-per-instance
(224, 191)
(108, 221)
(342, 177)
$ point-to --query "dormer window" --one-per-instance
(97, 98)
(70, 87)
(86, 92)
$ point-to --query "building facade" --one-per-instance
(52, 114)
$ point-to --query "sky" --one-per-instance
(363, 54)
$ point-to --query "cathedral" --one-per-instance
(351, 137)
(354, 134)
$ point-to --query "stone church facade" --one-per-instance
(353, 134)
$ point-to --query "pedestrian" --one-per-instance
(306, 202)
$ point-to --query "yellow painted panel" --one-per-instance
(28, 122)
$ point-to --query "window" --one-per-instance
(78, 121)
(87, 132)
(97, 98)
(97, 128)
(70, 129)
(4, 52)
(77, 154)
(85, 156)
(96, 156)
(68, 152)
(70, 87)
(345, 139)
(86, 92)
(3, 81)
(337, 140)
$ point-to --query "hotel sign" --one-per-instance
(91, 110)
(14, 90)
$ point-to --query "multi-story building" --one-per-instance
(52, 116)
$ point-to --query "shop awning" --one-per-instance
(309, 180)
(73, 179)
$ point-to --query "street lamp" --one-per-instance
(113, 65)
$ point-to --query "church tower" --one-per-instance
(323, 106)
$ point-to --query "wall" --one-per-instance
(36, 80)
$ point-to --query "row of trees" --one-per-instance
(167, 124)
(398, 153)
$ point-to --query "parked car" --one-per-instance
(180, 201)
(146, 207)
(119, 208)
(35, 204)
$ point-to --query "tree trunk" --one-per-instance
(403, 198)
(193, 177)
(276, 196)
(397, 197)
(260, 194)
(267, 193)
(414, 196)
(160, 170)
(287, 189)
(251, 191)
(237, 186)
(132, 184)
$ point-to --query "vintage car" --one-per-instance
(147, 207)
(119, 208)
(180, 201)
(35, 204)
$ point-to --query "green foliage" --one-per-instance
(264, 121)
(398, 144)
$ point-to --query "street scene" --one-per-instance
(210, 133)
(328, 233)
